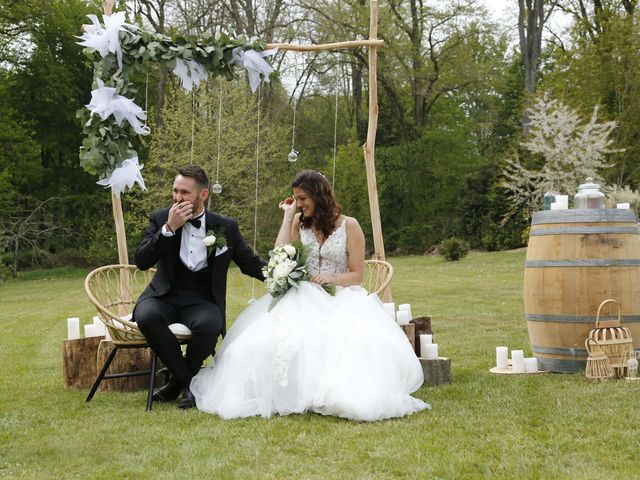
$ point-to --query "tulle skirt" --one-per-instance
(342, 356)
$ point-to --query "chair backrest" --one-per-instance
(377, 276)
(113, 290)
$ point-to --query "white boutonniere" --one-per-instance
(214, 239)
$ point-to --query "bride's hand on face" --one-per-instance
(288, 205)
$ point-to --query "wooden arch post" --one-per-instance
(116, 203)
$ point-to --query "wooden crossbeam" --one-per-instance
(327, 46)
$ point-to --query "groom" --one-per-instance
(189, 286)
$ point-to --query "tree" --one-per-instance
(568, 149)
(27, 229)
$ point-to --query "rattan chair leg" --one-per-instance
(101, 375)
(152, 380)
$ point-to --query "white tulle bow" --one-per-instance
(105, 39)
(124, 176)
(191, 73)
(105, 101)
(255, 64)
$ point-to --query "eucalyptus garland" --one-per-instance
(106, 144)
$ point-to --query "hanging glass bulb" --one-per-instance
(216, 188)
(293, 156)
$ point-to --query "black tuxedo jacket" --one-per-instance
(157, 250)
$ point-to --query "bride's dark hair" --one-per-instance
(325, 211)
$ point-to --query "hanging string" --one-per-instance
(193, 121)
(293, 129)
(219, 132)
(335, 129)
(255, 209)
(146, 92)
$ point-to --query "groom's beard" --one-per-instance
(197, 207)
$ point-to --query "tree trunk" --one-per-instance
(531, 21)
(356, 86)
(15, 259)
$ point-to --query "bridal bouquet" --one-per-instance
(287, 267)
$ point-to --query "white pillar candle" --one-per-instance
(531, 365)
(391, 309)
(425, 339)
(502, 357)
(89, 330)
(562, 202)
(517, 361)
(107, 335)
(99, 325)
(406, 307)
(430, 352)
(73, 328)
(403, 317)
(624, 206)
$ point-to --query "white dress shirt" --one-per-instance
(193, 253)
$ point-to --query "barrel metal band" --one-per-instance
(559, 365)
(583, 231)
(563, 351)
(584, 216)
(535, 317)
(559, 351)
(594, 262)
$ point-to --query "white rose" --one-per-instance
(290, 250)
(209, 241)
(283, 269)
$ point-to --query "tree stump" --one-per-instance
(410, 331)
(126, 360)
(79, 362)
(436, 371)
(423, 326)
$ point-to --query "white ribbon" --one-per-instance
(105, 101)
(106, 39)
(255, 64)
(191, 73)
(124, 176)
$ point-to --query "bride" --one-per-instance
(341, 356)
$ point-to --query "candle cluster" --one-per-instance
(95, 329)
(402, 316)
(428, 349)
(519, 363)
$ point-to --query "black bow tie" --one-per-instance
(196, 222)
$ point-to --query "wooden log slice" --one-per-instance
(79, 362)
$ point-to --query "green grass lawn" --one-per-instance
(481, 426)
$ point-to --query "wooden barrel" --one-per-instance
(575, 260)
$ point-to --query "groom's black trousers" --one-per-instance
(198, 312)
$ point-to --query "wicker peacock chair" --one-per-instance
(113, 290)
(377, 276)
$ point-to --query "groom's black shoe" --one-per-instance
(168, 392)
(188, 400)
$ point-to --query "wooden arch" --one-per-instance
(369, 147)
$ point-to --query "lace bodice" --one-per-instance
(331, 257)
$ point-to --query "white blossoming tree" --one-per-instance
(569, 151)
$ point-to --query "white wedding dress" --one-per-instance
(341, 356)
